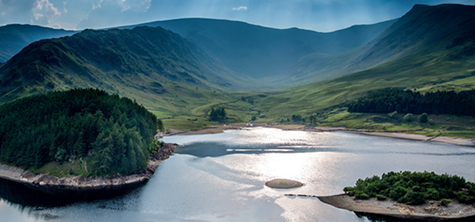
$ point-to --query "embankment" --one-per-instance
(47, 183)
(430, 211)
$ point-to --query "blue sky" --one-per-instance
(318, 15)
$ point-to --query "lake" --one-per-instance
(221, 177)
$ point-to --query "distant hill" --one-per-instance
(261, 52)
(429, 48)
(13, 38)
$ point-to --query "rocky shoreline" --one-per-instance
(430, 211)
(48, 183)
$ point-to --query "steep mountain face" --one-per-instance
(261, 52)
(423, 29)
(143, 59)
(13, 38)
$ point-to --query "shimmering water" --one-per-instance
(220, 177)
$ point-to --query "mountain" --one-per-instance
(141, 63)
(430, 48)
(267, 53)
(424, 28)
(13, 38)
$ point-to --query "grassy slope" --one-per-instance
(426, 71)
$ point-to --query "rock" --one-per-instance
(283, 184)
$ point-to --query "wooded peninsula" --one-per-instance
(77, 132)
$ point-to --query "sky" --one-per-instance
(317, 15)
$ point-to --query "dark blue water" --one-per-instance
(221, 177)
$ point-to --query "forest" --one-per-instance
(414, 188)
(407, 101)
(112, 134)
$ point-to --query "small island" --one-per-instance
(283, 183)
(79, 139)
(410, 195)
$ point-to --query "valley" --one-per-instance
(257, 72)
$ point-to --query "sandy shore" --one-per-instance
(221, 128)
(432, 210)
(47, 183)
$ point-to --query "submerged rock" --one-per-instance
(283, 183)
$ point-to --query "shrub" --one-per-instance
(412, 198)
(380, 197)
(433, 194)
(361, 195)
(463, 197)
(397, 193)
(408, 117)
(445, 202)
(349, 190)
(392, 115)
(423, 118)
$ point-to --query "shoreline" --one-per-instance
(431, 210)
(397, 135)
(46, 183)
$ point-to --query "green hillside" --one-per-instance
(438, 62)
(272, 55)
(13, 38)
(156, 67)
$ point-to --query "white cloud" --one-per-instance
(64, 7)
(45, 12)
(240, 8)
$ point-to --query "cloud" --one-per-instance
(240, 8)
(64, 7)
(45, 13)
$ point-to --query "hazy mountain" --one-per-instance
(429, 48)
(261, 52)
(13, 38)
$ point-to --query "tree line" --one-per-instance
(112, 133)
(407, 101)
(414, 188)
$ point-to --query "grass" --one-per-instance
(438, 125)
(61, 170)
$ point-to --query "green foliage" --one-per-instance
(112, 132)
(380, 197)
(297, 118)
(393, 115)
(407, 101)
(408, 117)
(349, 190)
(361, 195)
(217, 114)
(445, 202)
(413, 187)
(155, 146)
(423, 118)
